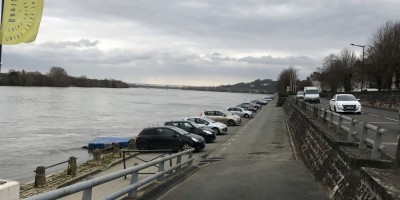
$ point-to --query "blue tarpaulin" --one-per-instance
(102, 142)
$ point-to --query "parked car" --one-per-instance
(248, 106)
(240, 111)
(191, 127)
(222, 117)
(300, 94)
(259, 102)
(168, 137)
(218, 127)
(345, 103)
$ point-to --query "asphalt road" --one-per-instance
(253, 161)
(386, 119)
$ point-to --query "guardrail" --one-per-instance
(135, 183)
(333, 118)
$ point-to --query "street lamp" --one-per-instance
(362, 67)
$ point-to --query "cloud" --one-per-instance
(199, 42)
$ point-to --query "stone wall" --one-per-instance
(384, 99)
(340, 166)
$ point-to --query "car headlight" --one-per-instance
(358, 106)
(208, 132)
(195, 139)
(339, 105)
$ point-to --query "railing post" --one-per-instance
(72, 168)
(330, 119)
(377, 143)
(87, 194)
(40, 176)
(324, 115)
(160, 169)
(97, 156)
(116, 151)
(340, 122)
(352, 128)
(134, 179)
(191, 156)
(178, 161)
(363, 145)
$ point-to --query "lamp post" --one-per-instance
(362, 67)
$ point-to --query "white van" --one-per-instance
(311, 94)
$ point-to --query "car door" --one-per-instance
(221, 117)
(211, 115)
(232, 110)
(169, 139)
(153, 138)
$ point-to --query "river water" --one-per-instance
(44, 126)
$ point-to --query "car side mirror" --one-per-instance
(358, 99)
(224, 115)
(333, 100)
(206, 123)
(175, 136)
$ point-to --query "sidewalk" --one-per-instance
(256, 163)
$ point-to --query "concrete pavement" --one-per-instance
(256, 162)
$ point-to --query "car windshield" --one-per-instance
(208, 120)
(312, 92)
(346, 98)
(180, 131)
(194, 124)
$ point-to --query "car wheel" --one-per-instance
(185, 146)
(246, 115)
(217, 131)
(330, 107)
(231, 122)
(143, 146)
(359, 113)
(334, 108)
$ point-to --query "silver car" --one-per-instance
(218, 127)
(240, 111)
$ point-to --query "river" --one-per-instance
(44, 126)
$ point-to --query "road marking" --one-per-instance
(391, 119)
(227, 143)
(374, 115)
(382, 122)
(389, 143)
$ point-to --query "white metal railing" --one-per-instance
(349, 127)
(135, 183)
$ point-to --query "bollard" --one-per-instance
(40, 176)
(132, 144)
(116, 151)
(97, 157)
(72, 168)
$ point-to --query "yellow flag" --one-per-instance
(20, 21)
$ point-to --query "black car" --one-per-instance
(191, 127)
(168, 137)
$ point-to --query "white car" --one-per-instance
(218, 127)
(345, 103)
(240, 111)
(222, 116)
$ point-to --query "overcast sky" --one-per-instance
(207, 42)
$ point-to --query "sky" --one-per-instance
(196, 43)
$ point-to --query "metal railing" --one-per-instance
(348, 125)
(135, 183)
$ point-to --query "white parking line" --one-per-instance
(391, 119)
(389, 143)
(374, 115)
(227, 143)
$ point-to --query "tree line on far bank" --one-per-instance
(56, 77)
